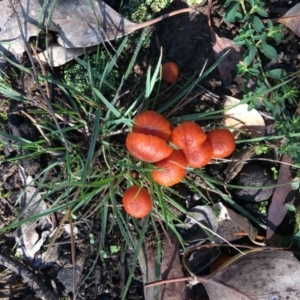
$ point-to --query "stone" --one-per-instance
(254, 175)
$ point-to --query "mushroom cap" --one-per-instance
(170, 72)
(222, 141)
(151, 122)
(172, 169)
(188, 135)
(137, 201)
(148, 148)
(200, 156)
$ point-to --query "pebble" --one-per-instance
(254, 175)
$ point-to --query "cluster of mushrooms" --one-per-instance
(172, 150)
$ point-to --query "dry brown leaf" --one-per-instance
(232, 58)
(78, 25)
(237, 162)
(231, 224)
(226, 225)
(220, 47)
(171, 267)
(148, 262)
(6, 12)
(282, 195)
(257, 275)
(32, 235)
(292, 19)
(57, 55)
(238, 116)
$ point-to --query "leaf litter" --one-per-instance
(77, 24)
(171, 251)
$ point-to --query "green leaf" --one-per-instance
(269, 51)
(257, 37)
(276, 73)
(246, 17)
(277, 36)
(227, 3)
(239, 42)
(114, 249)
(268, 104)
(290, 207)
(249, 32)
(253, 71)
(229, 15)
(239, 17)
(270, 24)
(261, 11)
(250, 54)
(258, 25)
(295, 183)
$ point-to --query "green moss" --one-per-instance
(76, 75)
(194, 2)
(138, 12)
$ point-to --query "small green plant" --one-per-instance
(292, 208)
(114, 249)
(261, 207)
(270, 88)
(140, 11)
(288, 128)
(275, 173)
(261, 149)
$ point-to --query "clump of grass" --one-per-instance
(98, 168)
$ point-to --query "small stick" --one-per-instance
(32, 279)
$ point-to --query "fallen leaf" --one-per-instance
(238, 116)
(291, 19)
(257, 275)
(78, 25)
(237, 163)
(221, 46)
(6, 12)
(32, 234)
(283, 194)
(233, 226)
(147, 260)
(65, 275)
(233, 57)
(227, 225)
(191, 230)
(57, 55)
(171, 267)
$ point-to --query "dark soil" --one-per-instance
(185, 39)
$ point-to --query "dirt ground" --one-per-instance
(185, 39)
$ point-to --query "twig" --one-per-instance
(200, 279)
(73, 255)
(40, 129)
(36, 80)
(43, 70)
(32, 279)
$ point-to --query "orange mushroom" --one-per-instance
(151, 122)
(222, 141)
(137, 202)
(199, 156)
(147, 148)
(170, 72)
(171, 170)
(188, 135)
